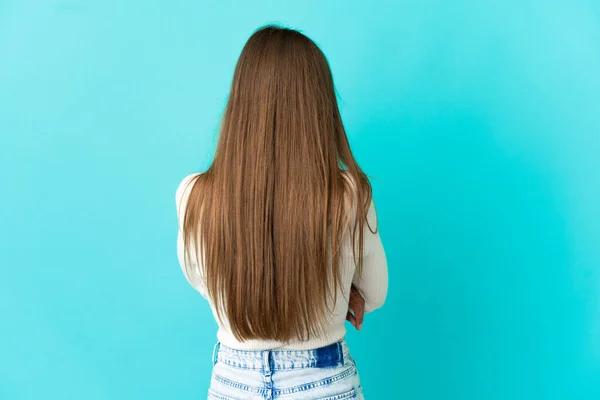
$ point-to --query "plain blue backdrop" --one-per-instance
(479, 120)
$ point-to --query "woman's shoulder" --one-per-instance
(185, 184)
(350, 195)
(184, 188)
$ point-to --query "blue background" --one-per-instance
(479, 120)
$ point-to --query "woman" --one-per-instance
(285, 225)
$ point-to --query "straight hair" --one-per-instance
(269, 215)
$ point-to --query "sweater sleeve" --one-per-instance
(373, 282)
(191, 271)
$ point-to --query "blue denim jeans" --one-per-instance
(326, 373)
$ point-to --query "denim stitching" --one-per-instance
(316, 384)
(212, 393)
(240, 366)
(348, 395)
(236, 385)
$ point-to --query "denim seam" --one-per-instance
(348, 395)
(311, 363)
(316, 384)
(217, 396)
(240, 386)
(240, 365)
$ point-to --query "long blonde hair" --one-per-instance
(269, 215)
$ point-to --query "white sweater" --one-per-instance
(373, 283)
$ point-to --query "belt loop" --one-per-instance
(215, 355)
(340, 349)
(266, 361)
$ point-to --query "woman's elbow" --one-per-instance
(376, 300)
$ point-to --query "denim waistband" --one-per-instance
(327, 356)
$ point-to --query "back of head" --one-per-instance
(270, 213)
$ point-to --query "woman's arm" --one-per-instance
(191, 270)
(373, 282)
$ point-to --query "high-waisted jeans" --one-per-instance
(326, 373)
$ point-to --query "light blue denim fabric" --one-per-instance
(326, 373)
